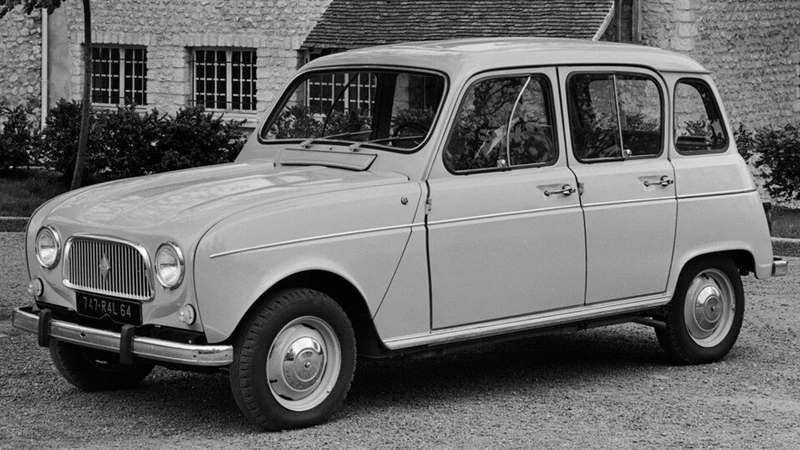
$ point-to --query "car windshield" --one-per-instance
(387, 108)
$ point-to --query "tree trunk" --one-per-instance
(83, 141)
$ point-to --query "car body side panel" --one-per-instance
(359, 235)
(712, 174)
(406, 308)
(711, 224)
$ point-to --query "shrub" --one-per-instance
(125, 143)
(128, 144)
(59, 143)
(18, 136)
(776, 152)
(195, 138)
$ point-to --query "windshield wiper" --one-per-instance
(357, 145)
(307, 143)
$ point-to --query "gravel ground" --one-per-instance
(604, 388)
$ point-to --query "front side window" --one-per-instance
(382, 107)
(502, 123)
(614, 116)
(698, 122)
(119, 75)
(224, 79)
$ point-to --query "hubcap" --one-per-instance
(709, 308)
(303, 363)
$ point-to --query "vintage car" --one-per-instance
(406, 198)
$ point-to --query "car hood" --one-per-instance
(198, 198)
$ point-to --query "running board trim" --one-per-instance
(526, 323)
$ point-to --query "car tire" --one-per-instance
(705, 315)
(294, 359)
(95, 370)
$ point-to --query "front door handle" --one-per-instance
(664, 181)
(566, 190)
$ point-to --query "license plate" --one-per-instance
(121, 311)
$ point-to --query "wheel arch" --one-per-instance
(743, 259)
(343, 292)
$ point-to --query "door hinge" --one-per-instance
(429, 202)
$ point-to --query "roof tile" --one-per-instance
(348, 24)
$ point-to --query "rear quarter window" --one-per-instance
(699, 128)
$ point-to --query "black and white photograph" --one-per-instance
(400, 224)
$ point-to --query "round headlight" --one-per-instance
(169, 265)
(48, 247)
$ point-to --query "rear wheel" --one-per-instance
(95, 370)
(293, 361)
(705, 314)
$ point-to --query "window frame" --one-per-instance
(495, 75)
(228, 80)
(716, 105)
(624, 157)
(121, 63)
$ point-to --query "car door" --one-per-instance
(505, 228)
(617, 139)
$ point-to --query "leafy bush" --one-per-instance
(195, 138)
(18, 136)
(776, 152)
(59, 143)
(125, 143)
(296, 121)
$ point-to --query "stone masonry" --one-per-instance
(170, 29)
(21, 58)
(752, 49)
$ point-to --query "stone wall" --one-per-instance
(170, 30)
(21, 58)
(751, 47)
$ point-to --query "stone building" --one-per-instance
(228, 55)
(21, 59)
(235, 55)
(752, 48)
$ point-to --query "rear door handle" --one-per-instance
(664, 181)
(566, 190)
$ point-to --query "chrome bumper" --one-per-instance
(780, 267)
(144, 347)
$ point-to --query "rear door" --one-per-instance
(616, 139)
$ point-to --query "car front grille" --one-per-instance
(108, 266)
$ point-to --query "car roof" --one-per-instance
(482, 54)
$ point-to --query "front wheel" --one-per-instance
(293, 360)
(705, 314)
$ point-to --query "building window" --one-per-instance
(224, 79)
(356, 91)
(119, 75)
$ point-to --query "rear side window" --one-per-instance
(503, 123)
(698, 122)
(614, 116)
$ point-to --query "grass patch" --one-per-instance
(785, 222)
(22, 192)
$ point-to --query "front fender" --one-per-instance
(358, 235)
